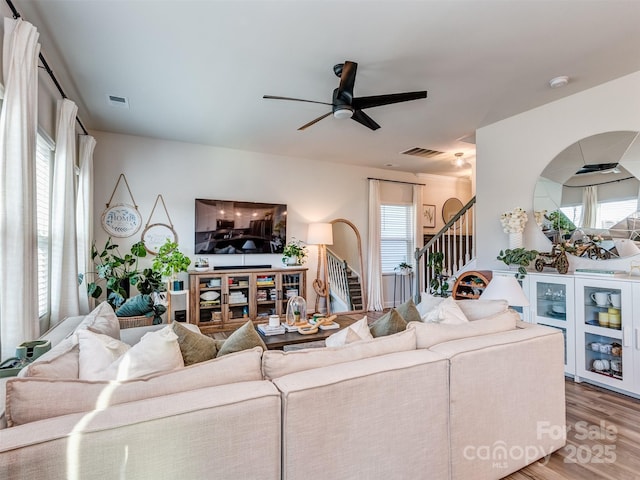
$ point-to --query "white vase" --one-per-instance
(515, 240)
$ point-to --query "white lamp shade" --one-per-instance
(505, 287)
(320, 234)
(249, 245)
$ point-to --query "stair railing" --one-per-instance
(455, 241)
(338, 277)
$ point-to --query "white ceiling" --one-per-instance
(196, 71)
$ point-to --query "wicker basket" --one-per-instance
(140, 321)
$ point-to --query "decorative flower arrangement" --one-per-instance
(539, 216)
(514, 221)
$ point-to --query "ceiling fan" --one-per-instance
(345, 105)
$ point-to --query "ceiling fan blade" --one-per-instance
(364, 119)
(315, 121)
(273, 97)
(347, 80)
(378, 100)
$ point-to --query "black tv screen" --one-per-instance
(232, 227)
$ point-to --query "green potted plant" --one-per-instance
(170, 261)
(404, 268)
(118, 271)
(519, 257)
(294, 253)
(438, 285)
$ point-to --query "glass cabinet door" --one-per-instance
(237, 298)
(266, 295)
(211, 292)
(291, 286)
(604, 325)
(552, 304)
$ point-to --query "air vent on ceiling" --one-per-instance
(118, 101)
(422, 152)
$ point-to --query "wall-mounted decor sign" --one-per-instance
(155, 235)
(122, 219)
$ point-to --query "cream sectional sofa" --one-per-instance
(481, 403)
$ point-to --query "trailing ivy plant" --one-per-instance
(438, 285)
(521, 257)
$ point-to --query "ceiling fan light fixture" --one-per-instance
(459, 161)
(343, 111)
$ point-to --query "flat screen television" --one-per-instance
(233, 227)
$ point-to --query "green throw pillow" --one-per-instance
(136, 306)
(244, 338)
(390, 323)
(194, 347)
(409, 312)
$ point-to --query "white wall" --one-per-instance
(512, 153)
(182, 172)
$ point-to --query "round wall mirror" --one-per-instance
(345, 272)
(589, 194)
(450, 208)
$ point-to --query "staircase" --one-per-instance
(456, 242)
(346, 285)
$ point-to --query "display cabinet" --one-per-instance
(604, 331)
(552, 303)
(223, 300)
(471, 284)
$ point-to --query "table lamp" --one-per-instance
(505, 287)
(321, 234)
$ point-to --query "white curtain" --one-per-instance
(65, 299)
(419, 235)
(84, 214)
(18, 240)
(374, 267)
(589, 206)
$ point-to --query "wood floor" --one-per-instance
(603, 438)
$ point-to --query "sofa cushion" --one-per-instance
(476, 309)
(388, 324)
(276, 363)
(429, 334)
(194, 346)
(62, 361)
(408, 311)
(355, 332)
(447, 312)
(102, 320)
(33, 399)
(243, 338)
(97, 353)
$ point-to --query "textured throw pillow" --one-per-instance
(97, 353)
(62, 361)
(409, 312)
(430, 334)
(447, 312)
(427, 303)
(243, 338)
(136, 306)
(194, 347)
(355, 332)
(102, 320)
(388, 324)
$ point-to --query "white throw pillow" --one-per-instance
(447, 312)
(427, 303)
(156, 351)
(355, 332)
(477, 309)
(97, 353)
(101, 320)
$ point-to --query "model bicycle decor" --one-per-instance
(122, 219)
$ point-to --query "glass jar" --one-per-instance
(296, 310)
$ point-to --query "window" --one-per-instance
(608, 214)
(397, 236)
(44, 156)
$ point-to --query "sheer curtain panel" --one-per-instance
(374, 294)
(84, 215)
(589, 206)
(65, 299)
(18, 240)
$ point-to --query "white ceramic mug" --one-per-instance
(600, 298)
(615, 299)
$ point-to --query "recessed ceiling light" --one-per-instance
(558, 82)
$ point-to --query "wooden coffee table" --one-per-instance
(278, 342)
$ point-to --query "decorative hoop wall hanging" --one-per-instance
(155, 235)
(121, 219)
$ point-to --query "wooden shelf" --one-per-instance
(469, 285)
